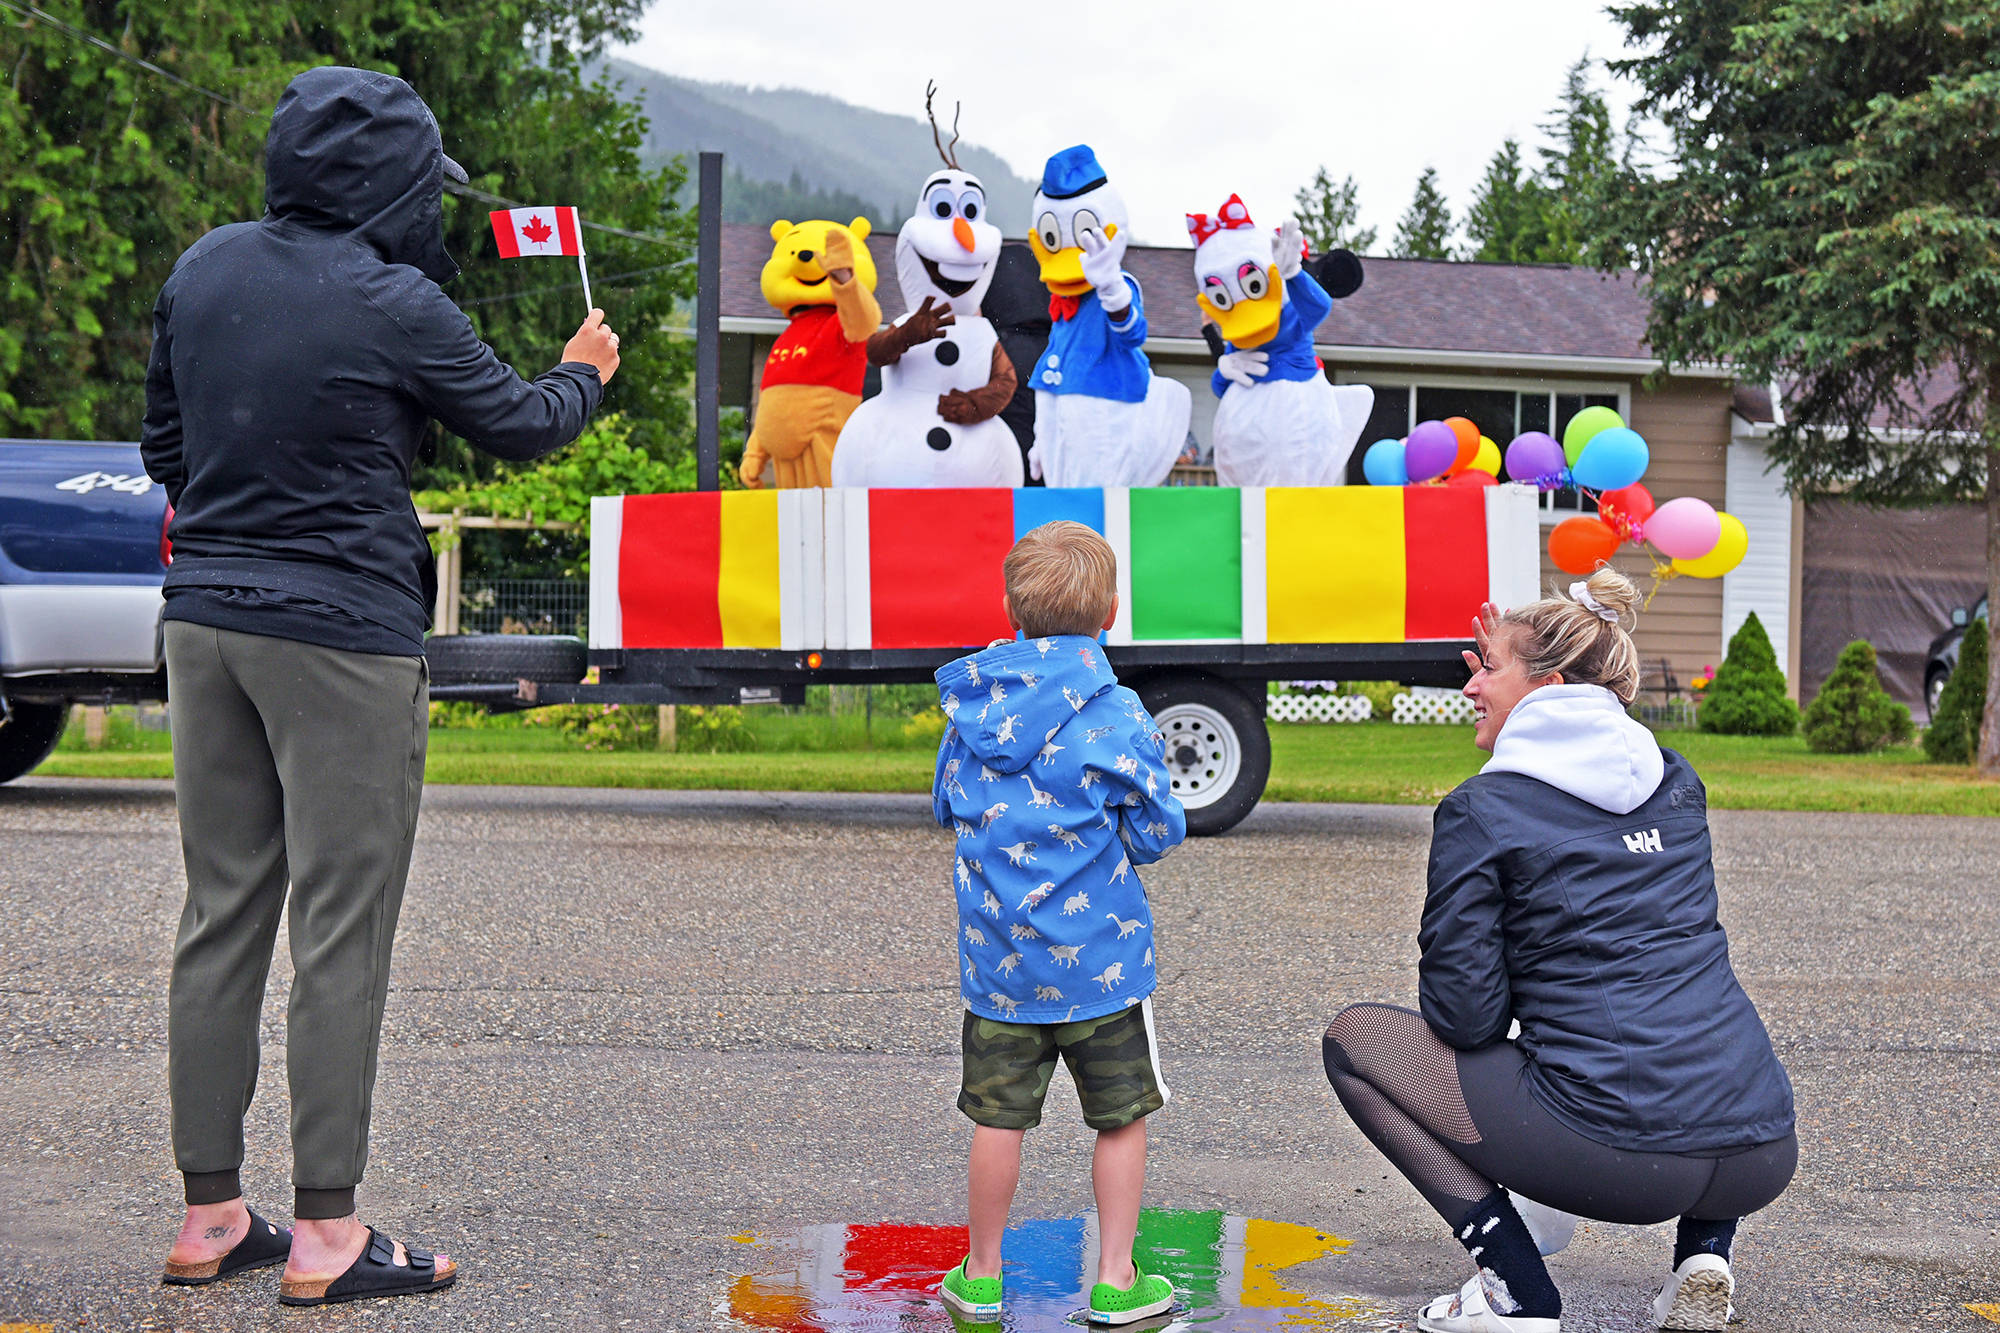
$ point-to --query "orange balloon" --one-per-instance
(1578, 545)
(1468, 443)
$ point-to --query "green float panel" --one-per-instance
(1187, 562)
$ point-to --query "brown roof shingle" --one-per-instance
(1420, 304)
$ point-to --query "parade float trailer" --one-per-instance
(750, 596)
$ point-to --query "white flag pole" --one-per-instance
(584, 269)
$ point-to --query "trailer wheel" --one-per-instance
(28, 736)
(502, 659)
(1218, 752)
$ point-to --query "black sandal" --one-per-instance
(262, 1245)
(375, 1273)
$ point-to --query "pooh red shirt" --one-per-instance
(813, 350)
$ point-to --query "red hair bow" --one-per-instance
(1232, 216)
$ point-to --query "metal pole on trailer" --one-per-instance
(707, 325)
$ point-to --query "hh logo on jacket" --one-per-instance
(1649, 841)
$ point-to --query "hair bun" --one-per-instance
(1613, 591)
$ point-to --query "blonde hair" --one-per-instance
(1061, 579)
(1562, 634)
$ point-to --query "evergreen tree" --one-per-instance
(1508, 220)
(761, 203)
(1832, 224)
(1425, 229)
(108, 170)
(1579, 168)
(1328, 214)
(1953, 735)
(1852, 713)
(1747, 696)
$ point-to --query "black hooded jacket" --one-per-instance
(296, 364)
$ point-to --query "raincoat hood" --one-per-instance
(1010, 700)
(355, 151)
(1579, 739)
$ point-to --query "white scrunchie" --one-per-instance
(1580, 594)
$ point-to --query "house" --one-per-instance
(1514, 347)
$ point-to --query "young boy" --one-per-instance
(1055, 780)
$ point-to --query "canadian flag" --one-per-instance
(537, 231)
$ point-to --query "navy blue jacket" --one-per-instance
(297, 363)
(1598, 932)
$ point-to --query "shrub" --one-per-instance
(601, 726)
(1953, 735)
(716, 730)
(1747, 696)
(1381, 695)
(926, 728)
(1853, 713)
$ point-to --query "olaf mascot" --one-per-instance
(1280, 423)
(1102, 417)
(945, 377)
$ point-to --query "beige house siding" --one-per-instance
(1686, 423)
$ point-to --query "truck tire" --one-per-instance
(28, 735)
(1218, 752)
(502, 659)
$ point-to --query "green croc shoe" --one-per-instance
(974, 1297)
(1147, 1296)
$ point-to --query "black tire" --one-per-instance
(502, 659)
(1933, 691)
(1217, 748)
(28, 735)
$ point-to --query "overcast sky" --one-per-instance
(1184, 102)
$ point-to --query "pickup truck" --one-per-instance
(83, 548)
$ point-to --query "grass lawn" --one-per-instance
(1377, 762)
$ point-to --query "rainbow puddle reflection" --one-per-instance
(856, 1277)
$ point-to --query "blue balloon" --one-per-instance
(1383, 464)
(1613, 459)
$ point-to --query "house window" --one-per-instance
(1500, 414)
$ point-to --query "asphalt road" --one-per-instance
(628, 1028)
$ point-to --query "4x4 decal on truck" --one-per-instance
(136, 484)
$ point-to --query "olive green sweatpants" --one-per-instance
(303, 766)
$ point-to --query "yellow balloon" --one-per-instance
(1729, 550)
(1487, 460)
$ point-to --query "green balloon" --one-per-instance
(1584, 425)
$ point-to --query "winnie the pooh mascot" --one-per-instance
(821, 275)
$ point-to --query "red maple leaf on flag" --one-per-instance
(537, 230)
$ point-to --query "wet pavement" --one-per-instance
(686, 1061)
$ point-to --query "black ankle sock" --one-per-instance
(1694, 1236)
(1498, 1241)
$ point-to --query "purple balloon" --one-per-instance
(1431, 449)
(1534, 454)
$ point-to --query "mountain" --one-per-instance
(834, 150)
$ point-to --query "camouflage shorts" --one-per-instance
(1113, 1060)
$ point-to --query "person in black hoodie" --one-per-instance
(297, 363)
(1572, 893)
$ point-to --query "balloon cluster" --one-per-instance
(1599, 455)
(1451, 451)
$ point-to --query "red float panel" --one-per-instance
(669, 560)
(1444, 545)
(934, 566)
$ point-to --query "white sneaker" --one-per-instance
(1697, 1296)
(1469, 1312)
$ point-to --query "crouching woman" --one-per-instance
(1571, 890)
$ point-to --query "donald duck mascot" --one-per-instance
(1102, 417)
(1280, 423)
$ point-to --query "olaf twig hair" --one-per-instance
(944, 150)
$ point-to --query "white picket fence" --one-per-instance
(1418, 706)
(1318, 707)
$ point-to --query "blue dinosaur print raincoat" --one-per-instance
(1053, 776)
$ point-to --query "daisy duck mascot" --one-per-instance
(1102, 417)
(1280, 423)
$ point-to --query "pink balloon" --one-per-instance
(1685, 529)
(1431, 448)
